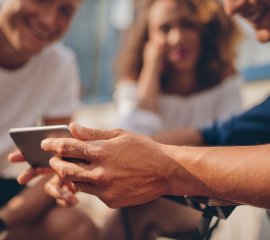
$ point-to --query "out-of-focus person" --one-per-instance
(39, 82)
(176, 67)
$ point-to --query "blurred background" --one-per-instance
(95, 36)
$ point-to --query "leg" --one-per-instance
(58, 223)
(158, 217)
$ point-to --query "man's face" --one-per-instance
(31, 25)
(257, 12)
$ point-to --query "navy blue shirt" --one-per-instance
(249, 128)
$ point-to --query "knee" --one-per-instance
(71, 223)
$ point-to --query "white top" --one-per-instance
(197, 110)
(46, 86)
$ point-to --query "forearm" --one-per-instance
(26, 206)
(181, 136)
(240, 174)
(149, 88)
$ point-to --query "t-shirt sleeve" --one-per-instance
(249, 128)
(131, 117)
(68, 98)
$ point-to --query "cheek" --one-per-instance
(63, 26)
(195, 45)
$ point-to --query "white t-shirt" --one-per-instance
(46, 86)
(197, 110)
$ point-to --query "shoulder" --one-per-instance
(232, 82)
(58, 53)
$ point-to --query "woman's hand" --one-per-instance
(154, 55)
(149, 86)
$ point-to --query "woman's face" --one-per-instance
(172, 24)
(31, 25)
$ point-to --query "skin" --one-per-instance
(255, 11)
(27, 27)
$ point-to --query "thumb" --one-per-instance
(87, 134)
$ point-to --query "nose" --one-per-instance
(48, 18)
(233, 6)
(175, 36)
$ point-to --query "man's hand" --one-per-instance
(122, 168)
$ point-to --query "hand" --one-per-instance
(123, 169)
(61, 190)
(154, 55)
(57, 188)
(29, 174)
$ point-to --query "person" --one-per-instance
(127, 169)
(185, 75)
(39, 83)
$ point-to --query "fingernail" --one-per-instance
(77, 127)
(44, 143)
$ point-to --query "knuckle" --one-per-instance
(63, 173)
(62, 148)
(100, 177)
(95, 133)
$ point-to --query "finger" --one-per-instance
(71, 171)
(70, 148)
(31, 173)
(60, 193)
(16, 156)
(62, 203)
(85, 134)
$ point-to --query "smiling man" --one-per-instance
(39, 81)
(255, 11)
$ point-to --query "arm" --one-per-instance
(149, 79)
(238, 174)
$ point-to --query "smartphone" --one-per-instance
(28, 140)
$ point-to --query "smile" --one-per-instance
(38, 32)
(254, 15)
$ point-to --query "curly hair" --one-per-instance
(219, 36)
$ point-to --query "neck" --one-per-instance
(9, 57)
(183, 83)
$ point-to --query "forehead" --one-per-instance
(167, 10)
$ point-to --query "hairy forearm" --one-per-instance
(181, 136)
(240, 174)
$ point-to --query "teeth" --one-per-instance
(254, 16)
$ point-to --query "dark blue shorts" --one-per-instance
(8, 189)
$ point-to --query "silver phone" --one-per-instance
(28, 140)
